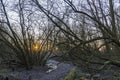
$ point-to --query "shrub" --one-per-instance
(71, 75)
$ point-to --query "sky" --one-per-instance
(13, 15)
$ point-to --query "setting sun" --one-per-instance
(35, 47)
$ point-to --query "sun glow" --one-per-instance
(36, 47)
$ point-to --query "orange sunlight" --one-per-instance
(35, 47)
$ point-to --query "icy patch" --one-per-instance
(52, 65)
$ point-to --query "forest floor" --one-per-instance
(40, 73)
(59, 71)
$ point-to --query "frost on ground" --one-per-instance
(54, 71)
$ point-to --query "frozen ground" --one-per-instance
(56, 71)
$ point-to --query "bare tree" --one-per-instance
(101, 26)
(27, 47)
